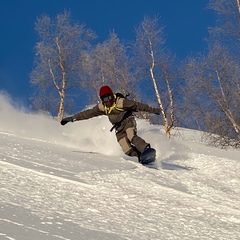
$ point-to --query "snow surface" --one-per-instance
(73, 182)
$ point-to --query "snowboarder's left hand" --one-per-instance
(66, 120)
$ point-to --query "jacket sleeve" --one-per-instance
(137, 106)
(89, 113)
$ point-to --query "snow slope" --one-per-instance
(74, 182)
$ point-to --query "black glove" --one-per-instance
(66, 120)
(157, 111)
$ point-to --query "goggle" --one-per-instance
(106, 97)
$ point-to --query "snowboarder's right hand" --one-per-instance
(157, 111)
(66, 120)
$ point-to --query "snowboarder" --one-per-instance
(120, 113)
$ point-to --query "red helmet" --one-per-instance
(106, 95)
(105, 90)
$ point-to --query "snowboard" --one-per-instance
(148, 156)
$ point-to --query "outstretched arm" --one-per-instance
(89, 113)
(137, 106)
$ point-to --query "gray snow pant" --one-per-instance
(131, 143)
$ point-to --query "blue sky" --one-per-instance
(186, 24)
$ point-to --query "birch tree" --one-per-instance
(155, 65)
(224, 45)
(213, 95)
(228, 22)
(58, 60)
(109, 65)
